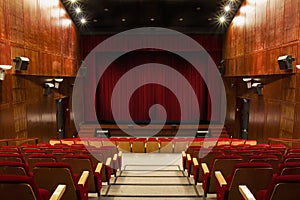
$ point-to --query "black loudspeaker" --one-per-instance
(221, 68)
(286, 62)
(21, 63)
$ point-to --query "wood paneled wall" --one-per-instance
(262, 31)
(42, 31)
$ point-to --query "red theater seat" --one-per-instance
(257, 176)
(23, 187)
(48, 175)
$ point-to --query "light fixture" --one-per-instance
(285, 62)
(180, 19)
(77, 10)
(21, 63)
(57, 81)
(227, 8)
(51, 85)
(83, 20)
(3, 68)
(222, 19)
(247, 79)
(123, 20)
(152, 19)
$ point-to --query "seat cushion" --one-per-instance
(44, 194)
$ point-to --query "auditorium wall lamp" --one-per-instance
(3, 68)
(285, 62)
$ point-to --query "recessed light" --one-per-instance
(209, 19)
(78, 10)
(152, 19)
(123, 19)
(222, 19)
(227, 8)
(73, 1)
(180, 19)
(95, 20)
(198, 8)
(83, 20)
(106, 9)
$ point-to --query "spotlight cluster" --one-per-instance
(75, 8)
(227, 12)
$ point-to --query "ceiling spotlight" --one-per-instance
(106, 9)
(198, 8)
(78, 10)
(83, 20)
(222, 19)
(227, 8)
(209, 19)
(73, 1)
(180, 19)
(152, 19)
(123, 20)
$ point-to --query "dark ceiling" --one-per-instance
(187, 16)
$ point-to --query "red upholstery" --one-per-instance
(273, 160)
(289, 168)
(281, 187)
(13, 187)
(291, 158)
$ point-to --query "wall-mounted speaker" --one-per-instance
(21, 63)
(285, 62)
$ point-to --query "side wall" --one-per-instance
(42, 31)
(262, 31)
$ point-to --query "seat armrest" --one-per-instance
(205, 168)
(99, 168)
(220, 178)
(83, 178)
(183, 154)
(115, 158)
(108, 162)
(58, 193)
(246, 193)
(188, 157)
(195, 162)
(120, 154)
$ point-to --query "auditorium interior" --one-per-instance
(149, 99)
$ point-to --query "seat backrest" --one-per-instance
(80, 163)
(256, 176)
(124, 146)
(224, 164)
(152, 146)
(48, 175)
(273, 160)
(166, 145)
(13, 187)
(12, 158)
(209, 157)
(284, 187)
(35, 158)
(289, 168)
(14, 168)
(291, 158)
(138, 145)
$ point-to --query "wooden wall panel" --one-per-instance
(42, 31)
(272, 124)
(291, 21)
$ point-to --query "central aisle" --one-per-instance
(151, 176)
